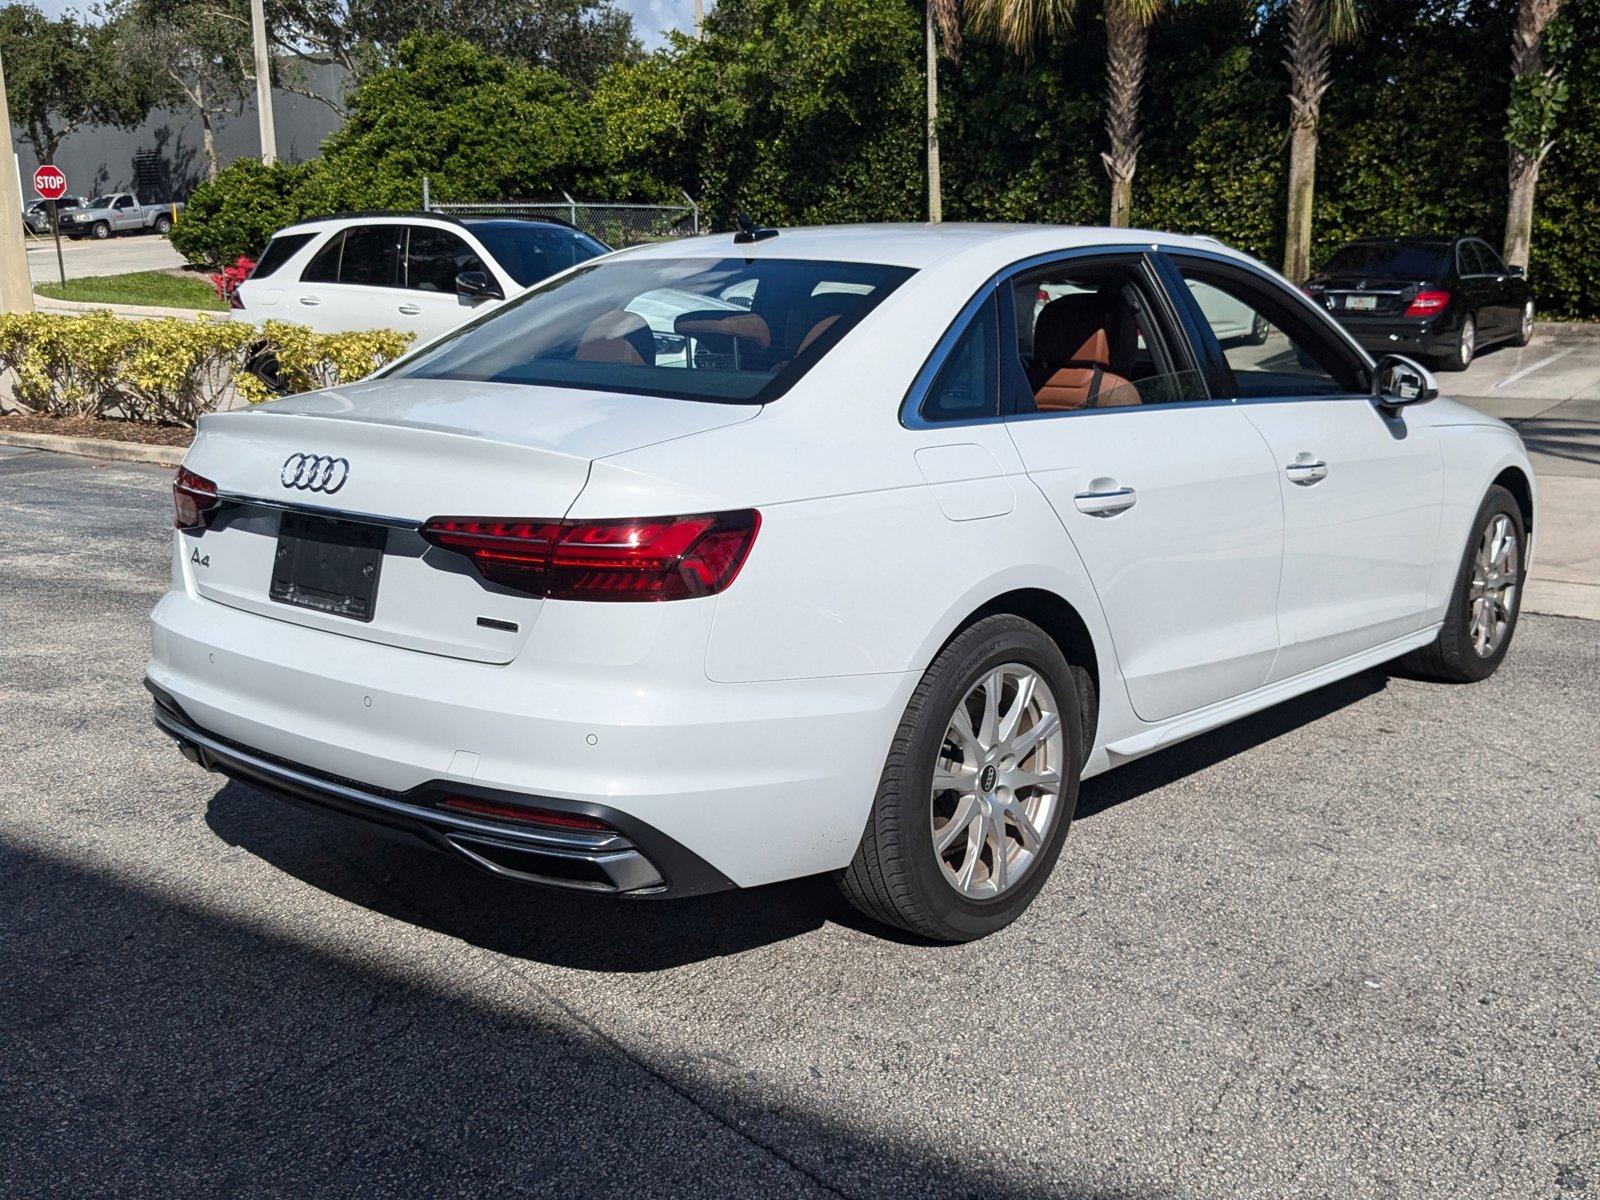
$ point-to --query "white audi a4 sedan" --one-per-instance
(723, 561)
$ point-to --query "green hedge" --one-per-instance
(171, 370)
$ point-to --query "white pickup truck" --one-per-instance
(118, 212)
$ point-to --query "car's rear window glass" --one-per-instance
(530, 252)
(1418, 260)
(731, 331)
(279, 251)
(372, 255)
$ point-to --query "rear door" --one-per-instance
(429, 304)
(1479, 292)
(1506, 293)
(1360, 489)
(1170, 499)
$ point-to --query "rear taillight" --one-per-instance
(502, 811)
(192, 497)
(1426, 304)
(644, 558)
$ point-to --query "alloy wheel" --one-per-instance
(1527, 322)
(997, 783)
(1493, 592)
(1469, 341)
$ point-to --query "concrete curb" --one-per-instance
(161, 456)
(1563, 330)
(51, 304)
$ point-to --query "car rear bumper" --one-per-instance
(759, 782)
(1429, 337)
(635, 860)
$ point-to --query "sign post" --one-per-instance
(51, 185)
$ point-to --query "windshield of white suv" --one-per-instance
(729, 331)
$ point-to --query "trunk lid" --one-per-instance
(402, 452)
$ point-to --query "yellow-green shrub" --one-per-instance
(307, 360)
(168, 369)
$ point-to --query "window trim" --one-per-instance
(1319, 324)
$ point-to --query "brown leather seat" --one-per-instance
(814, 316)
(618, 336)
(1072, 342)
(725, 327)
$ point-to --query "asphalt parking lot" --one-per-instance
(1348, 948)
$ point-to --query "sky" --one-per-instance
(652, 19)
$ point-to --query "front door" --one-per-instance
(1361, 490)
(1171, 500)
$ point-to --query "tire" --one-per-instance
(100, 231)
(1524, 325)
(897, 876)
(1456, 656)
(1259, 331)
(1466, 346)
(162, 225)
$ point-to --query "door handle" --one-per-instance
(1306, 470)
(1107, 503)
(411, 310)
(310, 301)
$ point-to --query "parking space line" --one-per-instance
(1531, 368)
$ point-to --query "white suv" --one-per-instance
(859, 568)
(420, 273)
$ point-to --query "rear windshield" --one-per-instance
(1408, 262)
(731, 331)
(531, 252)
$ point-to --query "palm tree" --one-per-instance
(1537, 94)
(1021, 24)
(941, 26)
(1315, 28)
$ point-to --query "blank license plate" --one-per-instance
(1361, 303)
(329, 566)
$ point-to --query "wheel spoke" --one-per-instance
(1019, 707)
(989, 727)
(999, 856)
(954, 777)
(1046, 726)
(1023, 780)
(961, 726)
(958, 824)
(1031, 841)
(975, 839)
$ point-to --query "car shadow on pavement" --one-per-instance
(359, 863)
(1575, 441)
(1208, 749)
(170, 1037)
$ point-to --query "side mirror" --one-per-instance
(1399, 381)
(478, 285)
(1516, 272)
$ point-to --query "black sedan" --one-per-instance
(1436, 297)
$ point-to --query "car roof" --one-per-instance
(1412, 240)
(915, 245)
(388, 216)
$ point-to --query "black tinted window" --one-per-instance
(372, 255)
(733, 330)
(324, 264)
(1423, 260)
(530, 252)
(968, 385)
(433, 258)
(279, 251)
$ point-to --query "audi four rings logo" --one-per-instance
(315, 473)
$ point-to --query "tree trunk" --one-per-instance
(931, 56)
(1127, 39)
(1310, 72)
(1522, 168)
(1302, 190)
(208, 144)
(1524, 179)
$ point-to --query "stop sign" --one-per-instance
(49, 182)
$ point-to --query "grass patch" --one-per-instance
(156, 288)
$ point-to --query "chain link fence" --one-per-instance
(617, 225)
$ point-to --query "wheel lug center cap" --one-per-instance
(988, 777)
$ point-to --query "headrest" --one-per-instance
(745, 326)
(1076, 329)
(618, 336)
